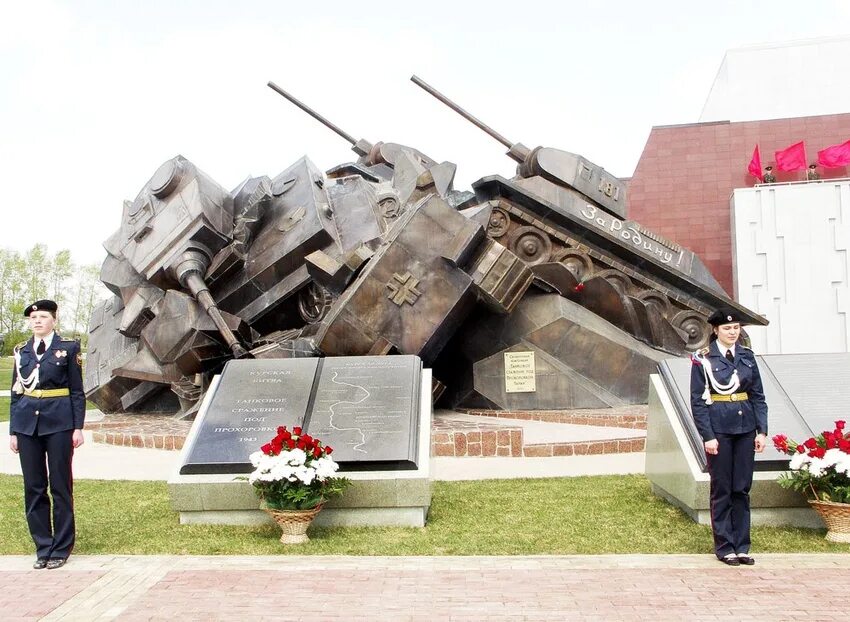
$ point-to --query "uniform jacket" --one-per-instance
(59, 367)
(729, 417)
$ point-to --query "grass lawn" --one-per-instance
(584, 515)
(6, 363)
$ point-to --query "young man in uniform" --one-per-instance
(47, 411)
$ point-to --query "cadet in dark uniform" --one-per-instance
(730, 412)
(46, 425)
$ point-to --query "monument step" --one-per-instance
(632, 416)
(537, 434)
(454, 434)
(143, 431)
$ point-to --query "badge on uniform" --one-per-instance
(61, 353)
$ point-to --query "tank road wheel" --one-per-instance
(499, 223)
(313, 303)
(620, 281)
(695, 328)
(578, 263)
(531, 245)
(655, 300)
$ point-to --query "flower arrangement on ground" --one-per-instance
(294, 471)
(820, 466)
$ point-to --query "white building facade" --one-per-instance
(790, 244)
(781, 80)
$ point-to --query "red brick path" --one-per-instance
(607, 587)
(31, 595)
(493, 594)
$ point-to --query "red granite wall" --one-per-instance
(686, 174)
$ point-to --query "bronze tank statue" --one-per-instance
(384, 256)
(564, 216)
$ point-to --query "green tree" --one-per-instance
(88, 292)
(61, 268)
(12, 298)
(37, 274)
(36, 262)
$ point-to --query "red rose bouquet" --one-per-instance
(820, 465)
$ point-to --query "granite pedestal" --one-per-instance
(376, 497)
(675, 473)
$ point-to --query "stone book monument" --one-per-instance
(366, 408)
(375, 411)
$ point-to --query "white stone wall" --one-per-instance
(775, 81)
(790, 244)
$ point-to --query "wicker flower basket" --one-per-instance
(837, 519)
(294, 523)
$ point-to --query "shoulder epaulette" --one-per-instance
(704, 351)
(20, 345)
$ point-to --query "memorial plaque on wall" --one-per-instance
(251, 400)
(520, 372)
(367, 409)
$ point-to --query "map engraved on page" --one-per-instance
(333, 406)
(366, 408)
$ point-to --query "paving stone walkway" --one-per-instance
(398, 589)
(281, 588)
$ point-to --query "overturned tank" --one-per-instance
(383, 256)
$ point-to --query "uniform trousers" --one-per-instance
(40, 455)
(731, 471)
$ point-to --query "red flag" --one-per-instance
(754, 168)
(835, 156)
(791, 159)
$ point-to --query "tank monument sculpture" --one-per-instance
(384, 256)
(348, 302)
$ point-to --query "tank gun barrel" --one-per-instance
(313, 113)
(189, 269)
(516, 150)
(561, 168)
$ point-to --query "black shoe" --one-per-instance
(40, 563)
(56, 562)
(729, 560)
(746, 559)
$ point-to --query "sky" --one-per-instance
(96, 94)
